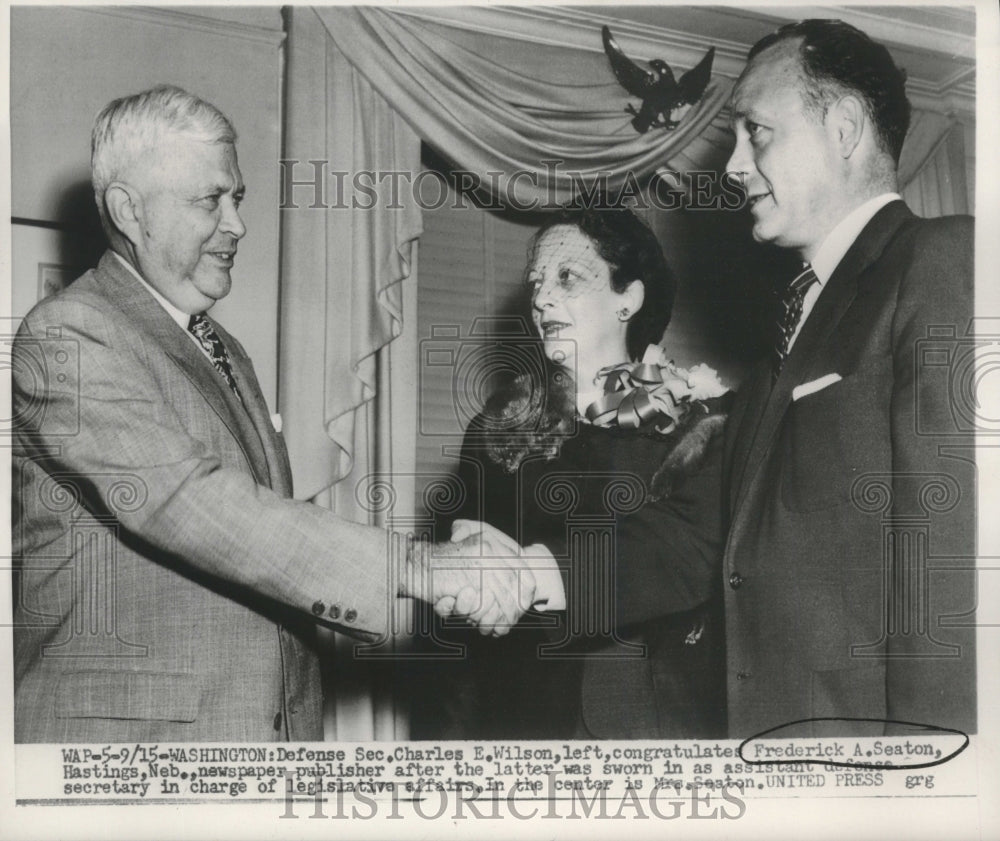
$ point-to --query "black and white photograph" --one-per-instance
(500, 421)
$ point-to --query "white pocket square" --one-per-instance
(276, 422)
(812, 387)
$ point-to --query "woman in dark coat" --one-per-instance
(609, 457)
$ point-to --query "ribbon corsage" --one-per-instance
(651, 394)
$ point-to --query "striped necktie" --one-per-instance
(791, 312)
(204, 332)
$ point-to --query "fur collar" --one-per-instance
(529, 418)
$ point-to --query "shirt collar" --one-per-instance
(182, 318)
(842, 237)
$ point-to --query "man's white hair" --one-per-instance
(131, 127)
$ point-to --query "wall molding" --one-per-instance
(894, 31)
(193, 22)
(579, 28)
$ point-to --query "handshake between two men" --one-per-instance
(484, 577)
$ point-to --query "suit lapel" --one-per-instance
(275, 454)
(126, 293)
(832, 304)
(746, 420)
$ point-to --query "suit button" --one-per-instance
(318, 608)
(351, 615)
(742, 675)
(277, 722)
(735, 580)
(335, 611)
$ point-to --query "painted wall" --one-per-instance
(68, 62)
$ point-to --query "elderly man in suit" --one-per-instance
(851, 492)
(167, 586)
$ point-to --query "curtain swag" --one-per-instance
(536, 122)
(535, 117)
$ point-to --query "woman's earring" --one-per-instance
(623, 314)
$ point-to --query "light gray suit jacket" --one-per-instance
(167, 586)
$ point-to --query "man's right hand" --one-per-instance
(479, 577)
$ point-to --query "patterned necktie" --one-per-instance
(204, 332)
(791, 312)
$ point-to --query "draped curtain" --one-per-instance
(341, 302)
(364, 85)
(342, 267)
(932, 167)
(535, 121)
(492, 104)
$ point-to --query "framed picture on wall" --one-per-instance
(45, 259)
(54, 277)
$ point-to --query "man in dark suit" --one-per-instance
(851, 490)
(168, 585)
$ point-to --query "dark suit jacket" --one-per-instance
(167, 584)
(841, 501)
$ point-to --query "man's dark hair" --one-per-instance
(632, 252)
(837, 57)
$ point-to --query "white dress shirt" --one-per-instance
(834, 247)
